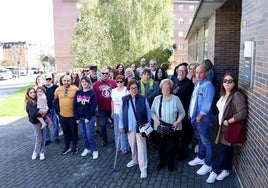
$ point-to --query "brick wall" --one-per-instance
(253, 157)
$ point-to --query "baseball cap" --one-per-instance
(93, 67)
(48, 75)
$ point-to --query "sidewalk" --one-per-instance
(56, 171)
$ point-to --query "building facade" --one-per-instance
(233, 35)
(65, 15)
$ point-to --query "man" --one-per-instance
(65, 94)
(93, 74)
(103, 88)
(183, 88)
(50, 90)
(201, 116)
(142, 67)
(153, 67)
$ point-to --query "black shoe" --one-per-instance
(160, 166)
(103, 143)
(47, 142)
(57, 140)
(74, 150)
(171, 169)
(65, 151)
(97, 132)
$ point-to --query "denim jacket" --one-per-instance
(203, 104)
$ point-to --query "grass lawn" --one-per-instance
(14, 105)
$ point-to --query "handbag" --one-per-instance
(235, 132)
(145, 128)
(164, 128)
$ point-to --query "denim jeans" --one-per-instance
(202, 130)
(123, 140)
(54, 118)
(103, 116)
(87, 130)
(224, 160)
(69, 127)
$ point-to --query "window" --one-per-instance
(181, 21)
(180, 34)
(180, 7)
(180, 46)
(191, 8)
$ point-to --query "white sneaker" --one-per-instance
(95, 154)
(196, 161)
(223, 175)
(34, 156)
(144, 174)
(85, 152)
(212, 177)
(131, 164)
(204, 169)
(42, 156)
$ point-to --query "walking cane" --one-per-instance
(115, 158)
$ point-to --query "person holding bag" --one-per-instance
(167, 111)
(232, 114)
(134, 112)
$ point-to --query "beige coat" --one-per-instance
(239, 113)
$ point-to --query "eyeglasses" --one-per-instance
(133, 88)
(105, 73)
(48, 79)
(65, 92)
(228, 81)
(152, 64)
(119, 81)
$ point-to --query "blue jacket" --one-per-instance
(142, 111)
(205, 95)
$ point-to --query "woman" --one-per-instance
(75, 79)
(137, 75)
(39, 81)
(129, 75)
(211, 71)
(172, 112)
(135, 111)
(160, 74)
(148, 87)
(116, 103)
(191, 70)
(36, 119)
(120, 69)
(85, 103)
(231, 97)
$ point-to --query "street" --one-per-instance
(8, 87)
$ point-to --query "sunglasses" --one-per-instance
(228, 81)
(48, 79)
(105, 73)
(119, 81)
(65, 92)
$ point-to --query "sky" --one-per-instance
(26, 20)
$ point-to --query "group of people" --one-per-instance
(134, 97)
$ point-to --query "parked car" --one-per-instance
(16, 70)
(5, 74)
(33, 70)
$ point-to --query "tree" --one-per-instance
(116, 31)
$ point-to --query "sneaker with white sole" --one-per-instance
(131, 164)
(196, 161)
(212, 177)
(223, 175)
(85, 152)
(34, 156)
(42, 156)
(95, 154)
(144, 174)
(204, 169)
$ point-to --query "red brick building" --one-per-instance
(233, 35)
(183, 11)
(65, 13)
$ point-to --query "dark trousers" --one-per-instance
(224, 160)
(166, 150)
(70, 131)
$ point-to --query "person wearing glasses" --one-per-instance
(135, 111)
(103, 89)
(230, 97)
(50, 89)
(117, 94)
(153, 67)
(142, 67)
(65, 94)
(200, 115)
